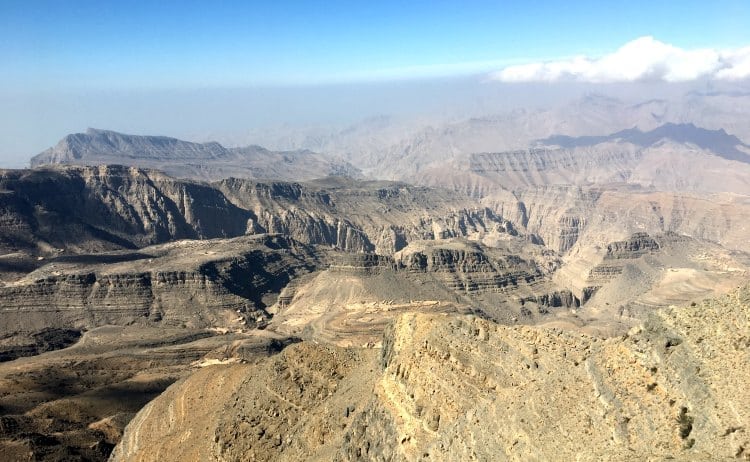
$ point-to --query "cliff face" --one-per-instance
(369, 216)
(638, 244)
(449, 387)
(563, 216)
(81, 209)
(85, 208)
(194, 284)
(553, 215)
(543, 166)
(352, 301)
(469, 268)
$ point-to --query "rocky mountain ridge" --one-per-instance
(396, 147)
(183, 159)
(577, 243)
(114, 207)
(448, 387)
(224, 284)
(718, 141)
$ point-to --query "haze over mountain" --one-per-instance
(210, 161)
(717, 141)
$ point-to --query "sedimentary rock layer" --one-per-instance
(80, 209)
(220, 283)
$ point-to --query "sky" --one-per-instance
(120, 65)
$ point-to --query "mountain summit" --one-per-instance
(185, 159)
(106, 146)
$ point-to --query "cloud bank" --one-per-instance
(643, 59)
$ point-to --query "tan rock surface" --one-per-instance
(74, 403)
(450, 387)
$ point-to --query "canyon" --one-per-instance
(577, 293)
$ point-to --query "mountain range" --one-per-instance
(207, 161)
(716, 141)
(539, 284)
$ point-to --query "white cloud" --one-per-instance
(644, 58)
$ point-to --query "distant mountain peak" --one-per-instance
(104, 146)
(717, 141)
(98, 131)
(185, 159)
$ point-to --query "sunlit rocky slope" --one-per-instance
(447, 387)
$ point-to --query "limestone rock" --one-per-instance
(450, 387)
(195, 284)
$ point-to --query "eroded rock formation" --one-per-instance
(194, 284)
(449, 387)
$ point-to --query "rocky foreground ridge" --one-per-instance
(452, 387)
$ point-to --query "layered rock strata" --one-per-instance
(196, 284)
(68, 210)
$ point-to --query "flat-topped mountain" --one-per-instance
(208, 161)
(106, 146)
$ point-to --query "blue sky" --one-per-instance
(56, 45)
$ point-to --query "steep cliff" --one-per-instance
(89, 208)
(606, 163)
(194, 284)
(362, 216)
(79, 209)
(562, 216)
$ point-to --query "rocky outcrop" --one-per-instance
(638, 244)
(569, 230)
(80, 209)
(197, 284)
(556, 299)
(468, 268)
(364, 263)
(605, 272)
(451, 387)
